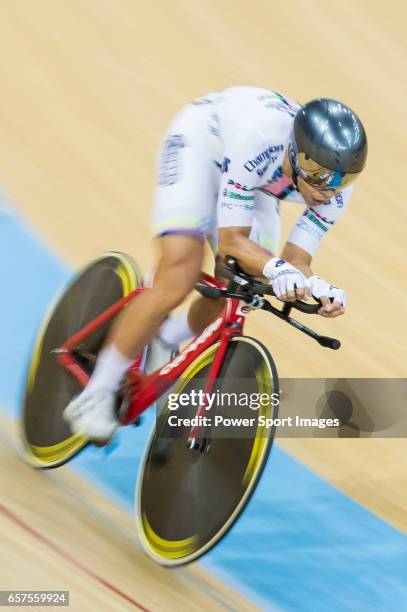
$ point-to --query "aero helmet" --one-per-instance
(328, 145)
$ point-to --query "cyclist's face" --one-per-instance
(312, 195)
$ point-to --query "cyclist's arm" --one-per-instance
(234, 241)
(298, 258)
(305, 237)
(236, 199)
(288, 283)
(313, 225)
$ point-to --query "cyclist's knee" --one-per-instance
(178, 250)
(180, 260)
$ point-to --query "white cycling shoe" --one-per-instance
(93, 415)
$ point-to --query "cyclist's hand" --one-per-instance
(332, 298)
(289, 284)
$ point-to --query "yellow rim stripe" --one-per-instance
(261, 437)
(127, 275)
(56, 452)
(170, 549)
(34, 364)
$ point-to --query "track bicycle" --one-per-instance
(192, 486)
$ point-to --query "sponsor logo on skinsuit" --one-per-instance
(213, 126)
(312, 217)
(236, 196)
(279, 102)
(314, 212)
(231, 205)
(201, 101)
(264, 156)
(261, 171)
(239, 186)
(225, 164)
(302, 224)
(339, 200)
(277, 176)
(169, 165)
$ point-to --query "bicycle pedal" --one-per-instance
(202, 446)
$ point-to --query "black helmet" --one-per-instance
(328, 147)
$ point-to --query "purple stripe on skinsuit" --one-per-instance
(182, 232)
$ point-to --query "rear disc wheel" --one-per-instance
(47, 440)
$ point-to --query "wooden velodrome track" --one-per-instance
(87, 88)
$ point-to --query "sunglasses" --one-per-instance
(322, 178)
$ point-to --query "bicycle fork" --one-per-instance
(199, 438)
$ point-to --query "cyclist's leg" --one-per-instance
(176, 274)
(184, 207)
(204, 310)
(93, 411)
(186, 194)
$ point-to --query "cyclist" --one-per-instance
(226, 162)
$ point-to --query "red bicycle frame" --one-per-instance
(145, 389)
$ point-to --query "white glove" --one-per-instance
(320, 288)
(284, 276)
